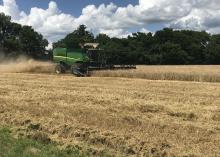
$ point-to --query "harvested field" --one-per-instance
(199, 73)
(121, 116)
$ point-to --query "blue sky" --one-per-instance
(116, 18)
(73, 7)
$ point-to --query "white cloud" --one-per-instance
(144, 30)
(116, 21)
(204, 15)
(52, 23)
(121, 33)
(9, 7)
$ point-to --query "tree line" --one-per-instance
(166, 46)
(16, 40)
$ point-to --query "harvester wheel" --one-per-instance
(79, 70)
(60, 69)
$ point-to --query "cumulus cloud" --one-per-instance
(116, 21)
(204, 15)
(9, 7)
(121, 33)
(144, 30)
(52, 23)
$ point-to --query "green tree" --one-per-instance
(16, 39)
(102, 39)
(32, 43)
(213, 50)
(173, 54)
(4, 27)
(74, 39)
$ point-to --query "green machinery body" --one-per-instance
(69, 56)
(75, 60)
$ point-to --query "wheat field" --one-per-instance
(120, 116)
(198, 73)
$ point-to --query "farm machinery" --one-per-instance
(83, 60)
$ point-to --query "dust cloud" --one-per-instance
(25, 65)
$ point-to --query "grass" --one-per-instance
(120, 116)
(24, 147)
(198, 73)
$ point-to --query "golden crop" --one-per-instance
(199, 73)
(126, 117)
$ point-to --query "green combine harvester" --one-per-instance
(81, 61)
(75, 60)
